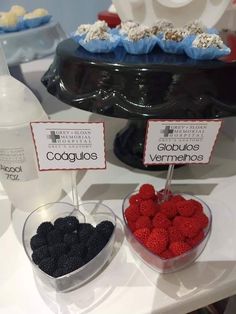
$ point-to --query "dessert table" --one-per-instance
(126, 285)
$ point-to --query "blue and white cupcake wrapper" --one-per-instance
(170, 46)
(8, 29)
(77, 37)
(36, 22)
(100, 46)
(142, 46)
(206, 53)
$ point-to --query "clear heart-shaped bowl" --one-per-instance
(172, 264)
(94, 213)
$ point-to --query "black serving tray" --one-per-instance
(141, 87)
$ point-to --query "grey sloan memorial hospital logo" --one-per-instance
(183, 132)
(166, 131)
(53, 137)
(70, 144)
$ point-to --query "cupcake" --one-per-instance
(98, 40)
(139, 40)
(125, 27)
(18, 10)
(9, 22)
(161, 26)
(207, 47)
(173, 40)
(36, 18)
(195, 28)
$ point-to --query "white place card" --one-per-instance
(69, 145)
(180, 141)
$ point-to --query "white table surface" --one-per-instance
(126, 285)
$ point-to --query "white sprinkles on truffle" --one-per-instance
(161, 26)
(176, 34)
(139, 32)
(195, 27)
(125, 27)
(208, 41)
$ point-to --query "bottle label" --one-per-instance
(17, 163)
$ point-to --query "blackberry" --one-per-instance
(78, 250)
(54, 237)
(72, 263)
(67, 224)
(71, 238)
(85, 231)
(57, 250)
(95, 244)
(39, 254)
(37, 241)
(62, 259)
(45, 228)
(105, 228)
(58, 272)
(48, 265)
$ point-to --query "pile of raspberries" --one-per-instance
(167, 228)
(67, 245)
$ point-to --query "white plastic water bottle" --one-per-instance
(26, 187)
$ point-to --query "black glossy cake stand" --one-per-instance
(139, 88)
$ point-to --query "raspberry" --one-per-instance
(135, 199)
(198, 209)
(78, 249)
(157, 242)
(105, 228)
(202, 220)
(48, 265)
(167, 254)
(178, 248)
(147, 208)
(185, 208)
(147, 191)
(71, 238)
(196, 240)
(66, 224)
(54, 237)
(161, 221)
(95, 244)
(57, 250)
(176, 221)
(161, 231)
(175, 235)
(85, 232)
(132, 213)
(37, 241)
(168, 209)
(142, 235)
(39, 254)
(72, 263)
(189, 227)
(44, 228)
(143, 222)
(177, 198)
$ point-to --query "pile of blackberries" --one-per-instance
(67, 245)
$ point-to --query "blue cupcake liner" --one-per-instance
(170, 46)
(142, 46)
(77, 38)
(36, 22)
(207, 53)
(18, 27)
(100, 46)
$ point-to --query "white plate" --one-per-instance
(178, 11)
